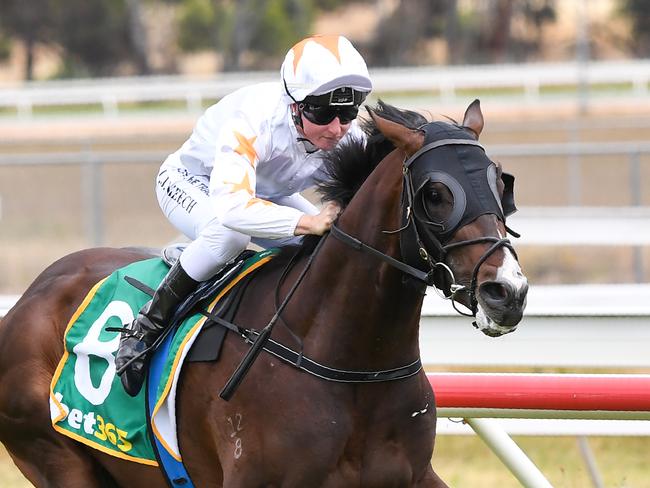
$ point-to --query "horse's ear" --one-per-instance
(473, 119)
(409, 140)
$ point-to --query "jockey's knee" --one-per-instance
(211, 250)
(231, 243)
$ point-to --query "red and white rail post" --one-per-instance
(479, 397)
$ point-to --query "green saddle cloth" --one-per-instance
(87, 400)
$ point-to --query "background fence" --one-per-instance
(529, 81)
(624, 224)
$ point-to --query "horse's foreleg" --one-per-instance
(431, 480)
(57, 462)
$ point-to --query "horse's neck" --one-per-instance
(361, 303)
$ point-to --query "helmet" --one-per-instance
(318, 65)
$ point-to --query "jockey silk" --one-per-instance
(249, 149)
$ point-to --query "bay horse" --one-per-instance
(423, 206)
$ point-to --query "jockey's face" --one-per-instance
(326, 136)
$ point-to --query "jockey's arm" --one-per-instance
(232, 188)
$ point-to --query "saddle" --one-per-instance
(207, 346)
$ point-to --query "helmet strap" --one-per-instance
(286, 89)
(296, 114)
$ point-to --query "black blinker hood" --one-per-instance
(468, 173)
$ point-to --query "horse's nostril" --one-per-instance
(494, 292)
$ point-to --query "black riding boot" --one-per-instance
(152, 320)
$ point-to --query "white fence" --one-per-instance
(580, 226)
(443, 82)
(604, 326)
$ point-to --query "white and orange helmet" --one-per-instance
(319, 65)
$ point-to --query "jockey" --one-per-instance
(239, 176)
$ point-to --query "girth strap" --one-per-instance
(339, 375)
(310, 366)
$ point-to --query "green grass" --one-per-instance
(465, 462)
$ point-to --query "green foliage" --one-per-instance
(94, 33)
(197, 25)
(265, 28)
(5, 48)
(282, 24)
(328, 5)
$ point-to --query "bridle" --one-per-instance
(417, 261)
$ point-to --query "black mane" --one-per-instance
(347, 166)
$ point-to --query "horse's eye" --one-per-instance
(430, 193)
(435, 203)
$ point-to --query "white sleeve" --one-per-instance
(298, 202)
(232, 185)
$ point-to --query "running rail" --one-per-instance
(479, 397)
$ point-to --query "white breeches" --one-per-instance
(184, 199)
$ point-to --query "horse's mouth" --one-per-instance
(491, 328)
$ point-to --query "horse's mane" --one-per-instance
(346, 167)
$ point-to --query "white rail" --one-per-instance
(592, 226)
(604, 326)
(444, 81)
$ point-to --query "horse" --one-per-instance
(423, 207)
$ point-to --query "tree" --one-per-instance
(138, 36)
(265, 28)
(30, 23)
(398, 36)
(94, 36)
(282, 24)
(488, 34)
(638, 11)
(197, 25)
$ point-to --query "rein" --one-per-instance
(395, 263)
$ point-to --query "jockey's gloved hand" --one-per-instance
(318, 224)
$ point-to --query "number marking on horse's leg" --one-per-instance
(236, 427)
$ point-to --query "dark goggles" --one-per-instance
(324, 114)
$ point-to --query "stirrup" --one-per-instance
(172, 253)
(126, 331)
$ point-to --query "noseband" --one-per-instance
(417, 261)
